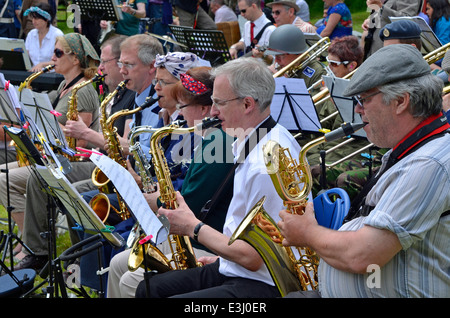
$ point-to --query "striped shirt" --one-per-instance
(409, 199)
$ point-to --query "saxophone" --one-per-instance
(72, 112)
(290, 270)
(21, 157)
(182, 252)
(100, 202)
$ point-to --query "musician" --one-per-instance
(401, 32)
(257, 29)
(193, 94)
(191, 14)
(381, 11)
(243, 90)
(404, 213)
(286, 12)
(74, 58)
(287, 43)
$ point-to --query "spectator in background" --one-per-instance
(17, 8)
(41, 40)
(191, 14)
(438, 12)
(161, 12)
(7, 14)
(338, 21)
(222, 12)
(303, 13)
(284, 12)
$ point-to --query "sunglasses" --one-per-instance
(336, 63)
(58, 53)
(276, 12)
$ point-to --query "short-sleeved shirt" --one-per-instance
(129, 25)
(42, 53)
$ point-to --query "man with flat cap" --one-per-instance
(394, 240)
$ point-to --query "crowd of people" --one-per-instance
(398, 218)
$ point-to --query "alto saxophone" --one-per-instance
(293, 183)
(21, 157)
(182, 252)
(72, 112)
(100, 202)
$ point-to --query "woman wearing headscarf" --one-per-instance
(75, 58)
(40, 41)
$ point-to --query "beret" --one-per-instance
(446, 62)
(389, 64)
(400, 29)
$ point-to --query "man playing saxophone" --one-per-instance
(394, 240)
(243, 90)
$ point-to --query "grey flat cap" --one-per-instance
(389, 64)
(446, 62)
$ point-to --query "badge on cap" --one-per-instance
(386, 32)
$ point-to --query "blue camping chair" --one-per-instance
(331, 207)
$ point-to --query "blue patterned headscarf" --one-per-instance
(177, 62)
(39, 11)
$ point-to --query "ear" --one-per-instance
(351, 66)
(205, 111)
(403, 104)
(249, 105)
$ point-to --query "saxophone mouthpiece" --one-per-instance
(210, 122)
(345, 130)
(149, 102)
(48, 68)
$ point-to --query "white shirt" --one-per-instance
(251, 183)
(259, 24)
(42, 53)
(224, 13)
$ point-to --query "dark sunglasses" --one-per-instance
(58, 53)
(243, 10)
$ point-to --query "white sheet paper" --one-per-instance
(129, 191)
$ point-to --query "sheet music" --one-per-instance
(302, 112)
(9, 102)
(129, 191)
(345, 105)
(78, 208)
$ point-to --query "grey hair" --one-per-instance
(249, 77)
(147, 46)
(425, 94)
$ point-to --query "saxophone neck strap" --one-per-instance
(260, 132)
(431, 128)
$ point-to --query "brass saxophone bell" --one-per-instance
(101, 206)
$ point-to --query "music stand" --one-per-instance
(177, 31)
(430, 41)
(292, 106)
(100, 9)
(208, 45)
(9, 116)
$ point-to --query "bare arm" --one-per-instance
(351, 251)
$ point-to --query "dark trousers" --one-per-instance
(204, 282)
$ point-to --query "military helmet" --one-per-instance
(286, 38)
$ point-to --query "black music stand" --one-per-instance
(9, 116)
(292, 106)
(208, 45)
(100, 9)
(177, 31)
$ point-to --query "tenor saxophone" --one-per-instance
(72, 112)
(100, 202)
(290, 270)
(183, 256)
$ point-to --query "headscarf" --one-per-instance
(39, 11)
(177, 62)
(192, 85)
(82, 48)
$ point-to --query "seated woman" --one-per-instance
(40, 41)
(439, 13)
(338, 21)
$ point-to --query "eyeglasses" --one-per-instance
(244, 10)
(179, 107)
(161, 82)
(361, 100)
(58, 53)
(106, 61)
(336, 63)
(127, 65)
(276, 12)
(219, 103)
